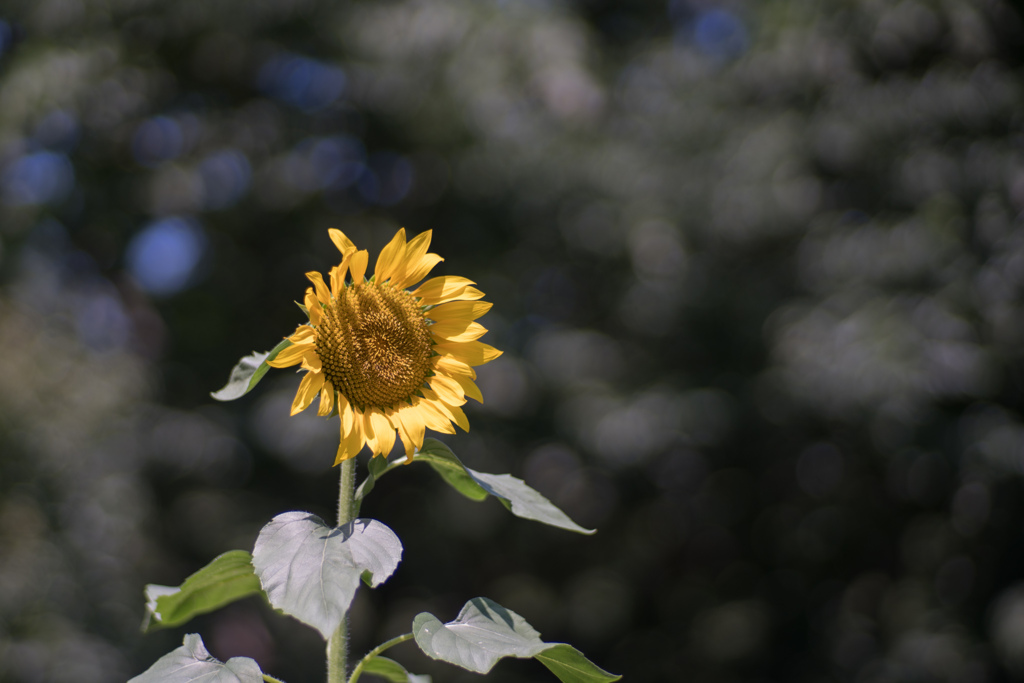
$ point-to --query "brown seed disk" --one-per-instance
(374, 344)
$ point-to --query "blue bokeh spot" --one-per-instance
(719, 33)
(38, 178)
(165, 255)
(302, 82)
(226, 176)
(157, 140)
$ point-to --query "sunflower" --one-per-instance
(388, 361)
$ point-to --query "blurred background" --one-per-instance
(758, 273)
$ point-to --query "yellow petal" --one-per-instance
(302, 333)
(326, 399)
(450, 366)
(457, 331)
(391, 257)
(470, 353)
(454, 413)
(309, 387)
(437, 290)
(411, 427)
(449, 391)
(311, 361)
(313, 306)
(291, 355)
(322, 292)
(383, 431)
(368, 435)
(434, 417)
(338, 279)
(358, 265)
(417, 261)
(346, 414)
(351, 442)
(414, 252)
(460, 310)
(343, 243)
(470, 387)
(426, 264)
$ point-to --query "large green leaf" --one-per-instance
(522, 500)
(311, 571)
(391, 670)
(227, 578)
(247, 373)
(191, 663)
(485, 632)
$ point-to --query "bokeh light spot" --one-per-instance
(720, 34)
(38, 178)
(225, 177)
(302, 82)
(165, 256)
(157, 140)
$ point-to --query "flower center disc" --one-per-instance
(374, 345)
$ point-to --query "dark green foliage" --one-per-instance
(756, 272)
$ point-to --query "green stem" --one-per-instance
(357, 672)
(270, 679)
(337, 646)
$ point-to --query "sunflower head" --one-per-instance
(388, 361)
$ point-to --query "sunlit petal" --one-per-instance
(326, 400)
(458, 331)
(313, 307)
(357, 265)
(470, 353)
(309, 387)
(391, 257)
(451, 366)
(341, 241)
(460, 310)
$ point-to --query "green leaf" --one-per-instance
(247, 373)
(451, 469)
(227, 578)
(485, 632)
(571, 666)
(522, 500)
(192, 663)
(391, 670)
(311, 571)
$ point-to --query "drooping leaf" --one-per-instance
(485, 632)
(311, 571)
(391, 670)
(191, 663)
(571, 666)
(227, 578)
(247, 373)
(447, 464)
(522, 500)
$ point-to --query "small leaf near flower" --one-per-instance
(311, 571)
(485, 632)
(247, 373)
(522, 500)
(191, 663)
(227, 578)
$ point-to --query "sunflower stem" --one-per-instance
(337, 646)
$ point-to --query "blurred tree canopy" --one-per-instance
(757, 269)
